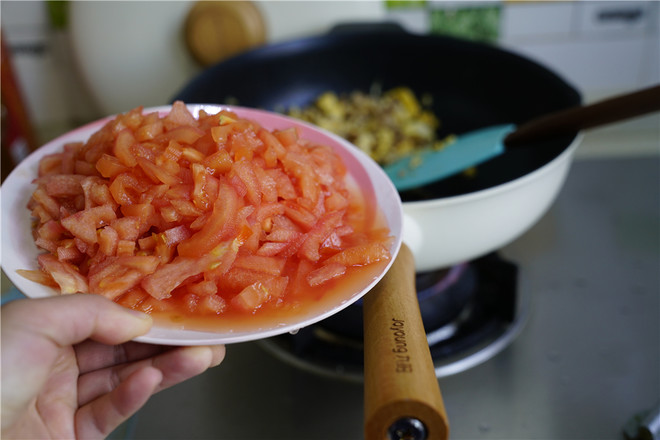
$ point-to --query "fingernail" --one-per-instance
(138, 314)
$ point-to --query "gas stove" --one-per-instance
(470, 311)
(575, 354)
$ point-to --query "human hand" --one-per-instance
(68, 370)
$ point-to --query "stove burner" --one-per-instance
(470, 312)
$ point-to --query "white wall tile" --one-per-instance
(537, 20)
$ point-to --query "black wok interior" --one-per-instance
(472, 84)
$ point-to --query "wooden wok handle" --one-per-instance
(400, 385)
(579, 118)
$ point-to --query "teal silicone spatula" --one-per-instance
(473, 148)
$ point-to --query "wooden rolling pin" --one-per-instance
(401, 392)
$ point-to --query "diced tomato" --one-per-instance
(145, 264)
(126, 189)
(269, 265)
(149, 131)
(205, 144)
(164, 252)
(96, 193)
(189, 302)
(335, 202)
(321, 231)
(122, 148)
(172, 152)
(287, 137)
(161, 283)
(110, 166)
(51, 230)
(236, 279)
(205, 188)
(173, 236)
(147, 243)
(283, 235)
(143, 212)
(119, 274)
(268, 210)
(157, 174)
(216, 228)
(299, 214)
(64, 274)
(270, 249)
(245, 172)
(299, 166)
(192, 155)
(116, 282)
(133, 298)
(45, 244)
(325, 273)
(244, 144)
(61, 185)
(99, 143)
(38, 276)
(85, 168)
(50, 164)
(108, 239)
(39, 213)
(274, 148)
(220, 134)
(91, 249)
(146, 150)
(132, 118)
(153, 305)
(179, 115)
(186, 208)
(48, 203)
(203, 288)
(83, 224)
(68, 165)
(184, 135)
(220, 161)
(361, 255)
(225, 255)
(125, 248)
(183, 191)
(199, 216)
(327, 164)
(68, 252)
(283, 184)
(251, 245)
(211, 305)
(255, 295)
(128, 228)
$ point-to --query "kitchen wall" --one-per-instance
(76, 61)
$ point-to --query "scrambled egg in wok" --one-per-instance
(387, 126)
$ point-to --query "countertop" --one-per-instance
(586, 362)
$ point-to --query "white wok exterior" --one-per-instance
(447, 231)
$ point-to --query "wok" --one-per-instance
(473, 85)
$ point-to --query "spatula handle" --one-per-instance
(579, 118)
(400, 381)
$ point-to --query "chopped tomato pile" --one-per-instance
(205, 215)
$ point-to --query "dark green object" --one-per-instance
(58, 11)
(477, 23)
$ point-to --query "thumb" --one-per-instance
(70, 319)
